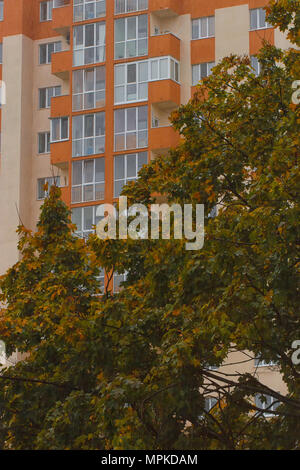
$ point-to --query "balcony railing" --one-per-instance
(164, 44)
(61, 64)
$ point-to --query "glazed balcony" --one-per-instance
(165, 94)
(61, 64)
(165, 8)
(62, 16)
(61, 106)
(166, 44)
(161, 139)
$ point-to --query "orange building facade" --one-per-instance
(89, 86)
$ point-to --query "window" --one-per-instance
(44, 142)
(46, 51)
(89, 44)
(201, 71)
(101, 280)
(258, 19)
(126, 168)
(85, 219)
(59, 129)
(118, 281)
(89, 9)
(164, 68)
(89, 88)
(127, 6)
(255, 64)
(131, 79)
(210, 402)
(131, 82)
(203, 27)
(88, 180)
(45, 95)
(46, 10)
(131, 128)
(1, 9)
(266, 402)
(1, 53)
(259, 362)
(131, 36)
(88, 134)
(41, 191)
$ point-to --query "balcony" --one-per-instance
(165, 8)
(61, 106)
(61, 153)
(165, 94)
(165, 44)
(62, 64)
(62, 17)
(161, 139)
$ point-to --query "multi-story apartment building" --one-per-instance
(89, 86)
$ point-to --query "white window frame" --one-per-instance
(128, 7)
(126, 41)
(171, 75)
(101, 280)
(92, 183)
(256, 65)
(206, 20)
(81, 48)
(117, 279)
(47, 142)
(1, 10)
(60, 119)
(84, 6)
(57, 45)
(173, 72)
(50, 92)
(95, 90)
(49, 8)
(260, 362)
(52, 181)
(85, 232)
(256, 12)
(126, 179)
(126, 85)
(94, 136)
(264, 405)
(210, 402)
(135, 131)
(197, 69)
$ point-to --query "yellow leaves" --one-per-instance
(176, 313)
(269, 296)
(197, 196)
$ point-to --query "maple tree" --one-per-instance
(133, 370)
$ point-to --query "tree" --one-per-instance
(133, 370)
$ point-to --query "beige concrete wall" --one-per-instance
(21, 165)
(41, 166)
(232, 31)
(15, 172)
(281, 40)
(243, 362)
